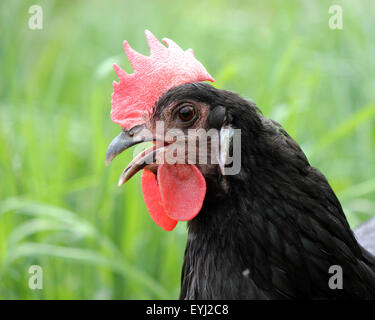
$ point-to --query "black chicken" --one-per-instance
(272, 231)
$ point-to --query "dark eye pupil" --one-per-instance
(186, 113)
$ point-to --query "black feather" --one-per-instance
(276, 228)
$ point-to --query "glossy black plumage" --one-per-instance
(273, 230)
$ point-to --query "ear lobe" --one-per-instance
(228, 140)
(225, 143)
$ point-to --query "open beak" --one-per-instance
(127, 139)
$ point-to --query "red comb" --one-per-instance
(135, 94)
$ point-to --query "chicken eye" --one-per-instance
(186, 113)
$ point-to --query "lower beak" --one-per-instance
(127, 139)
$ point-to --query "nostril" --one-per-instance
(134, 130)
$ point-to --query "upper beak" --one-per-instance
(123, 141)
(127, 139)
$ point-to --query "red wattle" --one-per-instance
(177, 194)
(152, 198)
(182, 189)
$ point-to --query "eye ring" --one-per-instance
(186, 113)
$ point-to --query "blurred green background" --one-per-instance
(60, 207)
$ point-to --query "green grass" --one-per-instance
(60, 207)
